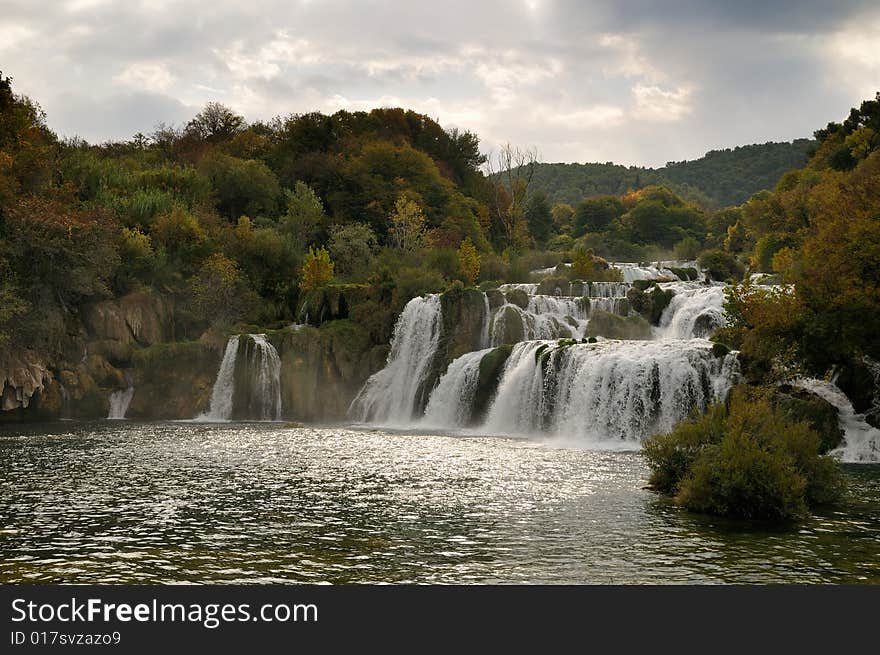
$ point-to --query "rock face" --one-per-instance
(141, 317)
(323, 369)
(173, 380)
(22, 375)
(860, 381)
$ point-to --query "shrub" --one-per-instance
(721, 265)
(748, 460)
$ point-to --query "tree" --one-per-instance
(352, 248)
(216, 123)
(304, 220)
(219, 293)
(468, 260)
(512, 169)
(407, 231)
(242, 186)
(317, 270)
(596, 214)
(582, 267)
(539, 218)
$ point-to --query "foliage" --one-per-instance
(749, 460)
(241, 186)
(407, 231)
(721, 265)
(539, 217)
(352, 248)
(220, 295)
(721, 177)
(468, 261)
(304, 221)
(317, 270)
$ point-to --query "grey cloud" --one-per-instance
(566, 77)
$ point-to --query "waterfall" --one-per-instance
(391, 395)
(608, 391)
(248, 384)
(264, 383)
(119, 402)
(861, 441)
(694, 311)
(451, 402)
(220, 407)
(548, 379)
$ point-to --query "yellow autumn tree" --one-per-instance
(468, 260)
(317, 270)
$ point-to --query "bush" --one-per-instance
(748, 460)
(721, 265)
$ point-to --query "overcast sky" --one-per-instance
(629, 81)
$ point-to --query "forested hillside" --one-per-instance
(718, 179)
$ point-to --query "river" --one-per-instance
(124, 502)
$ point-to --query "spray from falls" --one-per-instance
(694, 311)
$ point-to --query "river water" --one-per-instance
(118, 502)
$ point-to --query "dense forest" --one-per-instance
(718, 179)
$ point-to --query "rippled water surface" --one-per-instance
(122, 502)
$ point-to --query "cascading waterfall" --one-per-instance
(608, 391)
(861, 441)
(220, 407)
(450, 404)
(119, 402)
(248, 384)
(390, 395)
(264, 386)
(694, 311)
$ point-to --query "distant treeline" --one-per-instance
(718, 179)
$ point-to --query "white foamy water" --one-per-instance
(861, 440)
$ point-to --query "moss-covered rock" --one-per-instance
(491, 369)
(649, 303)
(507, 326)
(554, 286)
(518, 297)
(323, 369)
(612, 326)
(330, 303)
(859, 379)
(686, 273)
(495, 298)
(173, 380)
(719, 349)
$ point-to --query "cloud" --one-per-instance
(632, 81)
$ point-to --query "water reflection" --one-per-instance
(260, 503)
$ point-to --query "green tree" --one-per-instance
(241, 186)
(216, 123)
(304, 221)
(220, 295)
(352, 248)
(596, 214)
(539, 217)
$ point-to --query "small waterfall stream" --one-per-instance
(119, 402)
(220, 407)
(248, 383)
